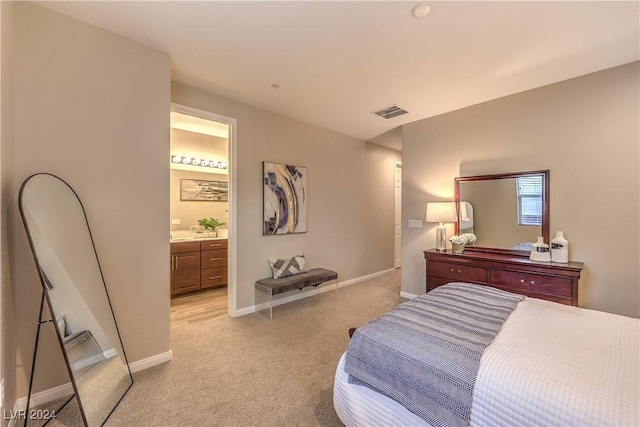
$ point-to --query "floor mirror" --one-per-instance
(74, 289)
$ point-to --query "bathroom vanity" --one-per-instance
(198, 264)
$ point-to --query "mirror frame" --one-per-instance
(52, 312)
(545, 207)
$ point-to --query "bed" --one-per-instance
(546, 364)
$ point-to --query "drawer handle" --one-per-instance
(215, 259)
(456, 271)
(531, 283)
(215, 277)
(216, 245)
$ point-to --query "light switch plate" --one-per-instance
(415, 223)
(176, 221)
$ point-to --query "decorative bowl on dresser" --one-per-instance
(518, 274)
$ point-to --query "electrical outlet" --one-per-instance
(415, 223)
(176, 221)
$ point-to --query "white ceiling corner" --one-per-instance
(337, 62)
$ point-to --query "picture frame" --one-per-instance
(204, 190)
(285, 197)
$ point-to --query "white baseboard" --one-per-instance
(407, 295)
(108, 354)
(39, 398)
(142, 364)
(311, 291)
(246, 310)
(67, 389)
(367, 277)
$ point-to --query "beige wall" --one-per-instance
(92, 108)
(350, 184)
(586, 131)
(7, 197)
(495, 211)
(190, 211)
(199, 144)
(206, 146)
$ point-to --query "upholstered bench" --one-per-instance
(268, 287)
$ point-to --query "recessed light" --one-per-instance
(421, 10)
(275, 86)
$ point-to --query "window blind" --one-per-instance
(529, 191)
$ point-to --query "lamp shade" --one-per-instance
(441, 212)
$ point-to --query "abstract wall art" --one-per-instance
(285, 199)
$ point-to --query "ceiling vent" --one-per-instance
(391, 111)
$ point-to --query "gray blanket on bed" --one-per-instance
(425, 353)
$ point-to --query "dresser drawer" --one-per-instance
(213, 277)
(531, 284)
(435, 281)
(213, 244)
(458, 272)
(213, 258)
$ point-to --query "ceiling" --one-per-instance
(336, 62)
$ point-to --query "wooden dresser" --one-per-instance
(544, 280)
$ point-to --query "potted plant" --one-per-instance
(210, 224)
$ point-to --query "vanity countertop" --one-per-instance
(195, 239)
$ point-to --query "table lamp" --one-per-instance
(441, 212)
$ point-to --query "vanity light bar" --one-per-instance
(196, 161)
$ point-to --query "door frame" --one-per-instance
(232, 276)
(397, 214)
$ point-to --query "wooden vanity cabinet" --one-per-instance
(213, 262)
(546, 280)
(185, 267)
(198, 265)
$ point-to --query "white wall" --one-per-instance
(93, 108)
(350, 212)
(586, 131)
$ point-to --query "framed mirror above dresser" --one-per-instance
(506, 211)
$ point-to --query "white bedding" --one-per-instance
(560, 365)
(549, 365)
(358, 405)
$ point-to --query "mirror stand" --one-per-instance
(53, 413)
(79, 306)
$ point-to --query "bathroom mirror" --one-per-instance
(507, 211)
(75, 291)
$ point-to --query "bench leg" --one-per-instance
(264, 301)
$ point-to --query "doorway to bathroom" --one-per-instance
(202, 240)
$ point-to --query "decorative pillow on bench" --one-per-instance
(288, 266)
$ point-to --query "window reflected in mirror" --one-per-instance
(505, 211)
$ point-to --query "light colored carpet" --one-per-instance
(250, 371)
